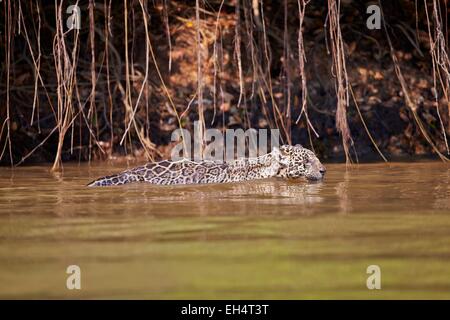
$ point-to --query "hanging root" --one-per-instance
(340, 72)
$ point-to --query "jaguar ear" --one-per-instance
(280, 155)
(284, 149)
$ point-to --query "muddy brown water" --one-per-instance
(260, 239)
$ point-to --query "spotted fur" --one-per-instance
(289, 162)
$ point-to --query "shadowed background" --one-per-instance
(137, 70)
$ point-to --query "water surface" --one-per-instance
(271, 239)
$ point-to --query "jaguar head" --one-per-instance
(296, 162)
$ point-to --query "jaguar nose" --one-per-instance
(322, 171)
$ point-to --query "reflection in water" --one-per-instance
(259, 239)
(342, 191)
(359, 189)
(69, 197)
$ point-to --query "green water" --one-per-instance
(269, 239)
